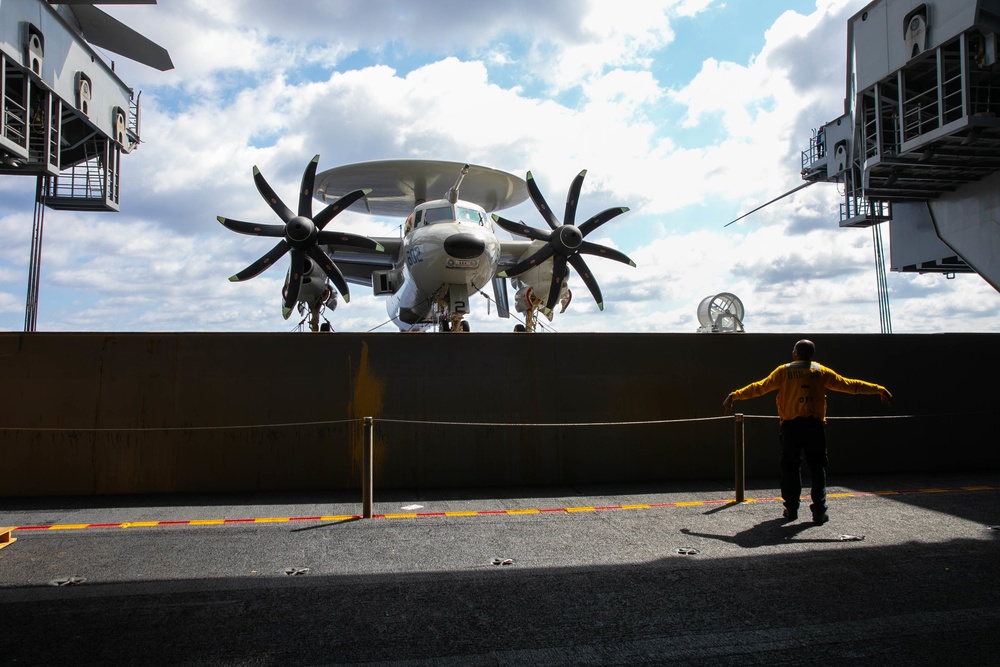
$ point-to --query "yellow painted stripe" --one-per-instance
(344, 517)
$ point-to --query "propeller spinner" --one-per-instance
(565, 243)
(302, 234)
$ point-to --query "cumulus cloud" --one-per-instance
(551, 87)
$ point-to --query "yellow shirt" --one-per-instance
(801, 389)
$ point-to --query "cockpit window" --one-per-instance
(438, 214)
(470, 215)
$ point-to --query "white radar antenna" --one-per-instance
(721, 313)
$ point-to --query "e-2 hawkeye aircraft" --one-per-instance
(448, 249)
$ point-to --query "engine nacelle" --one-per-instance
(532, 287)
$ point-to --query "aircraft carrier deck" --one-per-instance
(906, 572)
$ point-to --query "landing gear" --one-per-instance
(455, 324)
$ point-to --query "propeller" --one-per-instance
(302, 234)
(565, 243)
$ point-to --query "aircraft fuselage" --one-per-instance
(449, 253)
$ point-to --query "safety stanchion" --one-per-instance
(738, 440)
(366, 475)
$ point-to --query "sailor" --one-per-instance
(801, 401)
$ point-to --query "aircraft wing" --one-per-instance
(512, 252)
(358, 264)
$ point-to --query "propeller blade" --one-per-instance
(599, 219)
(588, 278)
(521, 229)
(258, 267)
(558, 273)
(270, 197)
(331, 211)
(252, 228)
(573, 197)
(306, 190)
(352, 240)
(528, 263)
(588, 248)
(331, 270)
(294, 282)
(539, 200)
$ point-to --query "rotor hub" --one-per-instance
(300, 231)
(570, 238)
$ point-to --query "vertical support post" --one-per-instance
(366, 473)
(738, 440)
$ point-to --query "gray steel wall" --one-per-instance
(147, 413)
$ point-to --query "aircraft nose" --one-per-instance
(464, 246)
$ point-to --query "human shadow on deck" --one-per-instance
(768, 533)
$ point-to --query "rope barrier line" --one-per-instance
(454, 423)
(476, 513)
(564, 424)
(177, 428)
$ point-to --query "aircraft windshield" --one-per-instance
(470, 215)
(432, 215)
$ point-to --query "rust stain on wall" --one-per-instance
(368, 393)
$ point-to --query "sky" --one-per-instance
(688, 112)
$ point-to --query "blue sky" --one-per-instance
(689, 112)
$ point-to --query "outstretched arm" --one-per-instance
(727, 404)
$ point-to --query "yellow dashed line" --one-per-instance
(414, 515)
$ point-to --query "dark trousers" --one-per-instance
(803, 437)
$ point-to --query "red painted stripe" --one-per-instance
(505, 512)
